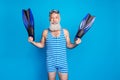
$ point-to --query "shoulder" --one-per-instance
(45, 32)
(66, 31)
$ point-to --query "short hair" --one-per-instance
(54, 11)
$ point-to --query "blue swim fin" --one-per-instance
(85, 25)
(28, 21)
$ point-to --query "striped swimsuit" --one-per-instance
(56, 53)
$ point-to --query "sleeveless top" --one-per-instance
(56, 49)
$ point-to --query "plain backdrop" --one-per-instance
(96, 58)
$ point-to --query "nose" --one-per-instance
(54, 20)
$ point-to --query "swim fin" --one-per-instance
(85, 25)
(28, 21)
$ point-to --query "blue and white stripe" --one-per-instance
(56, 53)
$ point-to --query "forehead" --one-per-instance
(54, 15)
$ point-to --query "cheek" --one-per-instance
(51, 20)
(58, 19)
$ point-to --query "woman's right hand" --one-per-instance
(30, 39)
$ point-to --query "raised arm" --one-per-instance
(40, 44)
(68, 42)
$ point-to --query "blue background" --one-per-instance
(96, 58)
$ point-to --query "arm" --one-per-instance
(69, 44)
(40, 44)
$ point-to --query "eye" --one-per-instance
(56, 17)
(51, 18)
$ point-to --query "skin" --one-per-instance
(55, 18)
